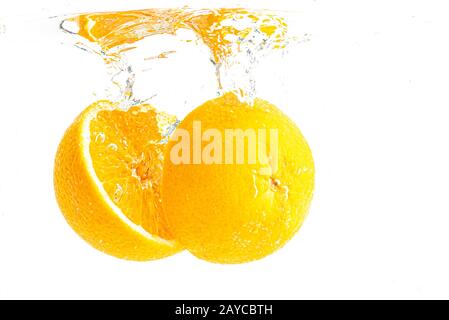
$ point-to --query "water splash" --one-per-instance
(236, 39)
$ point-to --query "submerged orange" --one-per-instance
(107, 178)
(230, 212)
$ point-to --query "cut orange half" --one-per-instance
(108, 174)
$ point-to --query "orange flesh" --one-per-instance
(127, 155)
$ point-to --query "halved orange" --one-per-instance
(107, 177)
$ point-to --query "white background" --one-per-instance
(371, 95)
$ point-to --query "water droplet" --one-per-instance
(113, 147)
(256, 189)
(285, 191)
(70, 26)
(100, 137)
(118, 193)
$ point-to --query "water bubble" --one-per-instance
(113, 147)
(118, 193)
(100, 137)
(70, 26)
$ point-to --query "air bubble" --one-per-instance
(100, 137)
(118, 193)
(70, 26)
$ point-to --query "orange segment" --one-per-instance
(127, 154)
